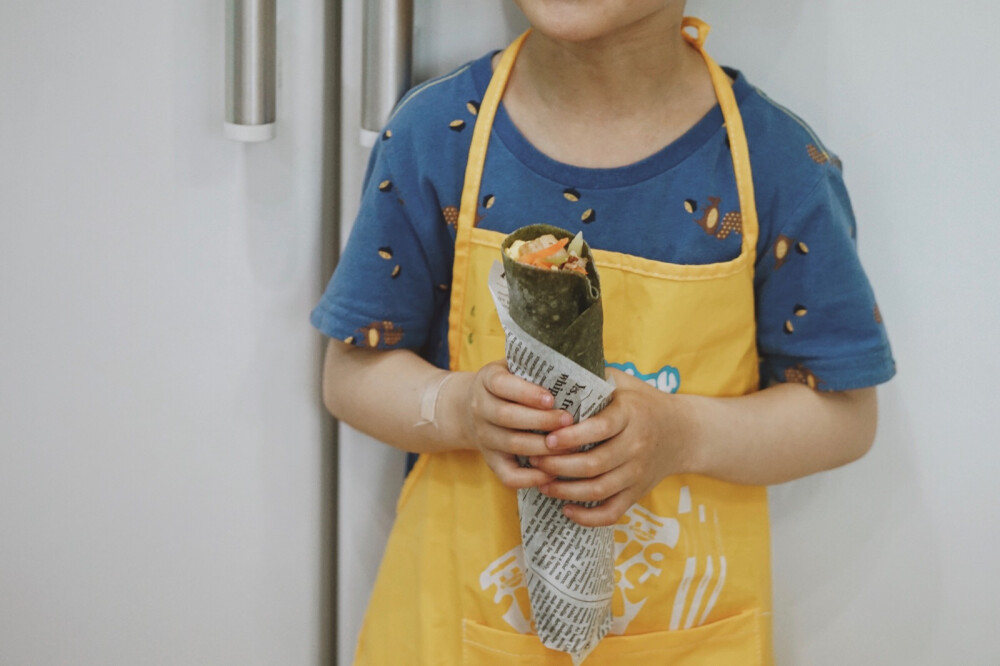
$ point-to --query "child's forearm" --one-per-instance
(380, 393)
(779, 434)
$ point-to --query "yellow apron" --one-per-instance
(692, 557)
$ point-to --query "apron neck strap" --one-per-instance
(734, 129)
(481, 136)
(723, 92)
(470, 195)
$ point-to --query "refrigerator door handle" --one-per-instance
(387, 59)
(250, 69)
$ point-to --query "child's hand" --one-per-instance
(644, 434)
(499, 412)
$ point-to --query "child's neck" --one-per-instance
(609, 102)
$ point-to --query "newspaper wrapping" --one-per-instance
(569, 567)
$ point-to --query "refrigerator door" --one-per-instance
(447, 33)
(162, 450)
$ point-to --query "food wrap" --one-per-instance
(569, 568)
(560, 309)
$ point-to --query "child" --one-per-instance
(740, 330)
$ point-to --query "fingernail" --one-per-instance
(547, 400)
(544, 489)
(566, 419)
(533, 461)
(550, 441)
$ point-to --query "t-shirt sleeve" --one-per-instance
(382, 294)
(818, 322)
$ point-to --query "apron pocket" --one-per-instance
(735, 640)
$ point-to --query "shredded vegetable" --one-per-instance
(548, 253)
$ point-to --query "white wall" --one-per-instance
(161, 437)
(892, 560)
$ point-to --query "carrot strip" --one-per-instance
(532, 257)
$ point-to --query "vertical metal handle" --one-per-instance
(250, 69)
(388, 59)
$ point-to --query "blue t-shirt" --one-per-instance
(817, 320)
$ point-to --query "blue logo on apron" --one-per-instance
(666, 379)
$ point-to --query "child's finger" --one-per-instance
(596, 489)
(607, 513)
(584, 464)
(511, 474)
(518, 417)
(501, 383)
(515, 443)
(597, 428)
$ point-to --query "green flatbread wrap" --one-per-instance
(561, 309)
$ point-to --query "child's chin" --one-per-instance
(579, 21)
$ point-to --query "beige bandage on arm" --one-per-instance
(429, 400)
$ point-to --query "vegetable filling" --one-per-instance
(549, 253)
